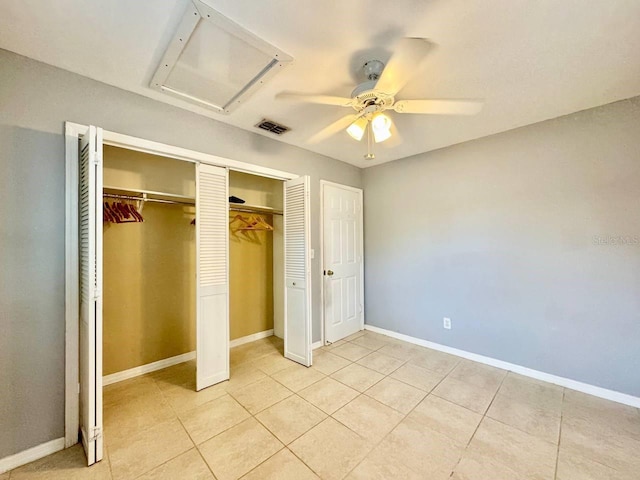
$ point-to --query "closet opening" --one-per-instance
(256, 272)
(163, 324)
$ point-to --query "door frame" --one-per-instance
(73, 131)
(323, 184)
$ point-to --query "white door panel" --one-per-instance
(90, 239)
(212, 245)
(297, 316)
(342, 256)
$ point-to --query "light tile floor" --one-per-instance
(370, 408)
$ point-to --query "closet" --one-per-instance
(149, 265)
(256, 275)
(170, 269)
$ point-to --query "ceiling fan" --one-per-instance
(377, 94)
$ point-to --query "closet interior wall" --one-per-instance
(256, 260)
(149, 267)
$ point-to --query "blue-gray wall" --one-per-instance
(35, 101)
(509, 237)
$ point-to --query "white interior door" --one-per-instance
(342, 257)
(297, 271)
(212, 246)
(90, 234)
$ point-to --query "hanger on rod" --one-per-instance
(122, 211)
(250, 222)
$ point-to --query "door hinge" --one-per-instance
(95, 434)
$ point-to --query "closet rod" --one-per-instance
(250, 209)
(145, 199)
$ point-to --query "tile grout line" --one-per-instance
(484, 415)
(555, 473)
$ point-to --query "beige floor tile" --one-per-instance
(540, 393)
(417, 377)
(175, 375)
(297, 377)
(465, 394)
(329, 363)
(368, 418)
(353, 336)
(127, 417)
(358, 377)
(477, 467)
(328, 395)
(240, 377)
(330, 449)
(575, 467)
(601, 443)
(69, 464)
(384, 466)
(261, 394)
(474, 373)
(524, 414)
(128, 390)
(239, 450)
(611, 417)
(189, 465)
(435, 361)
(402, 351)
(454, 421)
(146, 450)
(284, 465)
(525, 454)
(396, 394)
(380, 363)
(183, 398)
(290, 418)
(212, 418)
(351, 351)
(372, 342)
(272, 363)
(422, 450)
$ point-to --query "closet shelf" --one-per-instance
(147, 195)
(243, 207)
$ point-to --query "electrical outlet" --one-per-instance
(446, 323)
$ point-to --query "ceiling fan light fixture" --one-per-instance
(381, 126)
(356, 129)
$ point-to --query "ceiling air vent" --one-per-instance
(273, 127)
(214, 62)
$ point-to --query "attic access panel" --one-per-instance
(214, 62)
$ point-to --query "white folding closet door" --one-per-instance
(297, 271)
(212, 245)
(90, 234)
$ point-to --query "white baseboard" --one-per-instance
(32, 454)
(316, 345)
(148, 368)
(250, 338)
(527, 372)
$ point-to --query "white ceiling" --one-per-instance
(529, 60)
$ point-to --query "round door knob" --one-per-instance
(330, 273)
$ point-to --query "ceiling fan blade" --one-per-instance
(319, 99)
(335, 127)
(439, 107)
(403, 64)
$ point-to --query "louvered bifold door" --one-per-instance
(90, 235)
(297, 268)
(212, 225)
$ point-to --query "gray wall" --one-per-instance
(35, 101)
(506, 235)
